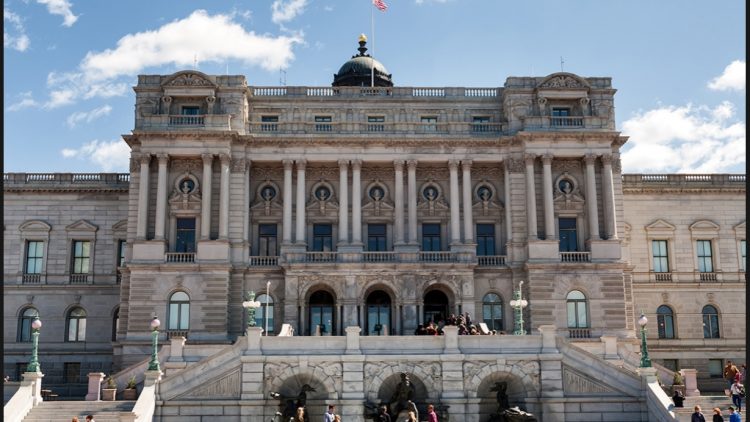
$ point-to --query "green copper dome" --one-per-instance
(357, 71)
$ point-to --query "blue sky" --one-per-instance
(678, 66)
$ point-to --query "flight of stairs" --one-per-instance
(63, 411)
(707, 403)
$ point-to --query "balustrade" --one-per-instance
(179, 257)
(79, 279)
(31, 279)
(388, 256)
(566, 121)
(575, 256)
(491, 260)
(264, 261)
(579, 332)
(189, 120)
(662, 276)
(437, 256)
(707, 277)
(177, 333)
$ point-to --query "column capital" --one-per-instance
(144, 158)
(411, 164)
(356, 164)
(167, 99)
(589, 159)
(529, 159)
(398, 164)
(343, 164)
(466, 164)
(207, 159)
(225, 159)
(301, 163)
(287, 164)
(453, 164)
(547, 158)
(607, 159)
(163, 158)
(210, 99)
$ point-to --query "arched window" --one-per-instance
(435, 306)
(266, 308)
(378, 313)
(492, 311)
(577, 310)
(24, 324)
(76, 325)
(710, 322)
(179, 311)
(665, 321)
(115, 324)
(321, 313)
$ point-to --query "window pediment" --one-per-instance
(120, 226)
(740, 230)
(660, 228)
(704, 227)
(37, 226)
(189, 78)
(82, 226)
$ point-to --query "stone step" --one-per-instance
(63, 411)
(707, 403)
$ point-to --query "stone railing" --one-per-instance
(179, 122)
(146, 403)
(689, 277)
(534, 123)
(28, 395)
(179, 257)
(341, 91)
(31, 279)
(579, 333)
(59, 180)
(680, 182)
(575, 256)
(264, 261)
(385, 257)
(491, 260)
(79, 279)
(401, 128)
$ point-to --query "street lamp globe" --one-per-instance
(153, 364)
(645, 360)
(36, 324)
(155, 323)
(33, 365)
(642, 321)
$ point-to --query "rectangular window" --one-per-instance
(323, 124)
(269, 119)
(267, 239)
(34, 256)
(705, 263)
(81, 256)
(715, 368)
(561, 117)
(269, 123)
(670, 364)
(430, 237)
(743, 255)
(375, 123)
(190, 110)
(480, 124)
(376, 237)
(121, 253)
(485, 239)
(185, 239)
(72, 373)
(661, 259)
(322, 237)
(568, 235)
(429, 123)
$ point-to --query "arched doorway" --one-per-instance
(378, 313)
(435, 306)
(321, 313)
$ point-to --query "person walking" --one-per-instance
(734, 416)
(383, 415)
(330, 415)
(431, 415)
(697, 416)
(737, 390)
(717, 415)
(730, 371)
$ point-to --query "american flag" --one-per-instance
(380, 4)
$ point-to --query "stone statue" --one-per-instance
(291, 405)
(502, 396)
(403, 395)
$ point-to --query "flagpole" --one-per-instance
(372, 56)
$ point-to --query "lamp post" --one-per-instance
(251, 305)
(645, 360)
(153, 364)
(518, 303)
(265, 313)
(33, 366)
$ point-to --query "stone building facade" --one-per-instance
(381, 208)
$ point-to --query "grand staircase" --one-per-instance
(63, 411)
(707, 403)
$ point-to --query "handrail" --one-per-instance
(20, 404)
(575, 256)
(179, 257)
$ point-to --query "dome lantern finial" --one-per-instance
(362, 41)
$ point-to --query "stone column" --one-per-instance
(224, 197)
(287, 213)
(246, 202)
(343, 202)
(356, 202)
(398, 224)
(454, 206)
(95, 385)
(508, 213)
(141, 223)
(206, 202)
(549, 209)
(467, 194)
(608, 191)
(161, 196)
(530, 197)
(300, 235)
(591, 197)
(411, 166)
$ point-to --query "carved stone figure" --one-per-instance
(402, 396)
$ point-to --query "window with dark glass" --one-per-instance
(376, 237)
(266, 308)
(34, 256)
(76, 325)
(120, 253)
(429, 123)
(24, 324)
(115, 324)
(267, 240)
(322, 237)
(435, 306)
(378, 313)
(81, 254)
(485, 239)
(321, 313)
(743, 255)
(492, 311)
(705, 263)
(190, 110)
(185, 238)
(323, 124)
(577, 312)
(710, 322)
(430, 237)
(661, 259)
(179, 311)
(560, 112)
(480, 124)
(561, 116)
(72, 373)
(665, 321)
(568, 235)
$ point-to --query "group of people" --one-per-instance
(735, 378)
(463, 322)
(697, 416)
(382, 416)
(89, 418)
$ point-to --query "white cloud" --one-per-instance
(284, 11)
(685, 139)
(431, 1)
(214, 38)
(328, 8)
(18, 40)
(26, 101)
(62, 8)
(110, 156)
(733, 78)
(88, 116)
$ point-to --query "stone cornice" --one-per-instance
(358, 140)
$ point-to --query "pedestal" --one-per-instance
(95, 385)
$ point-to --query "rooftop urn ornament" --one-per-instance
(33, 366)
(250, 305)
(153, 364)
(518, 303)
(645, 360)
